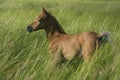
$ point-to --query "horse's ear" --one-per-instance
(44, 10)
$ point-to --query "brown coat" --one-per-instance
(63, 44)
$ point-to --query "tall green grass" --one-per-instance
(24, 56)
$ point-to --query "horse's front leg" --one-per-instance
(54, 62)
(55, 59)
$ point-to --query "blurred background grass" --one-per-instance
(24, 56)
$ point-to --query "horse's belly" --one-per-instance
(70, 53)
(69, 56)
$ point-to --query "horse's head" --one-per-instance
(47, 22)
(40, 21)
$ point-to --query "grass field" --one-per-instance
(24, 56)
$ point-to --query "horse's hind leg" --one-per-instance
(86, 56)
(87, 51)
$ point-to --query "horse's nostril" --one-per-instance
(29, 29)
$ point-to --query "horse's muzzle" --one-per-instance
(29, 29)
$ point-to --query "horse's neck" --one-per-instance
(53, 31)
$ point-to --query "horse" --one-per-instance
(64, 45)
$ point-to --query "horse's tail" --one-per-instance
(104, 37)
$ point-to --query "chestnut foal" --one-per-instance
(64, 45)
